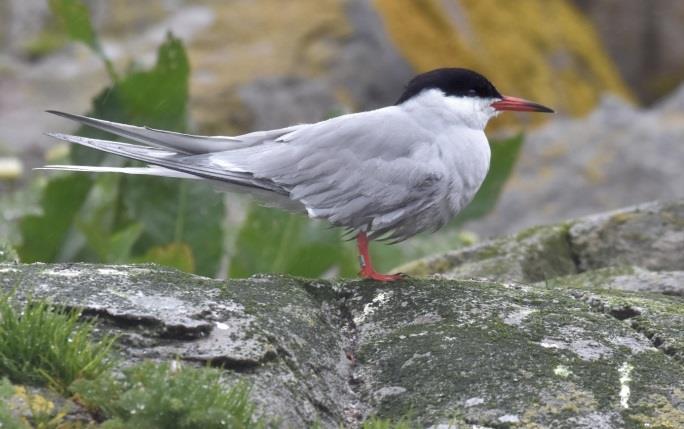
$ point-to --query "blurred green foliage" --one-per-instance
(115, 218)
(118, 218)
(75, 21)
(279, 242)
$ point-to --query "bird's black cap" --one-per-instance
(451, 81)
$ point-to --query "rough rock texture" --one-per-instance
(573, 326)
(615, 157)
(30, 403)
(650, 236)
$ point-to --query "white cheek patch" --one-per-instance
(473, 111)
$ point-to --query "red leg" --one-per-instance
(367, 271)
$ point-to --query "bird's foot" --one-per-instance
(372, 275)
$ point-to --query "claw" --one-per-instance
(372, 275)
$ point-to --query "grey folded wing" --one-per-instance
(373, 171)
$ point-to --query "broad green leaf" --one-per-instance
(126, 216)
(155, 98)
(176, 255)
(167, 209)
(158, 97)
(177, 211)
(504, 156)
(115, 247)
(43, 235)
(75, 19)
(277, 242)
(95, 222)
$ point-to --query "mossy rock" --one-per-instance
(497, 354)
(649, 236)
(532, 255)
(467, 352)
(30, 406)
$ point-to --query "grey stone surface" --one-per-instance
(650, 236)
(615, 157)
(576, 325)
(529, 256)
(285, 340)
(629, 279)
(445, 352)
(487, 354)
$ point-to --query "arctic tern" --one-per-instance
(388, 173)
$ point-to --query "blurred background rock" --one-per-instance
(267, 63)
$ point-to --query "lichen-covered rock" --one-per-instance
(649, 236)
(496, 355)
(575, 325)
(288, 342)
(459, 352)
(627, 278)
(31, 404)
(530, 256)
(459, 33)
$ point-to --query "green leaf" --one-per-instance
(156, 98)
(75, 19)
(178, 211)
(176, 255)
(44, 235)
(115, 247)
(118, 218)
(504, 156)
(278, 242)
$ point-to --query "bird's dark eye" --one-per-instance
(472, 92)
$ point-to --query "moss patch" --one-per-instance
(490, 354)
(532, 255)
